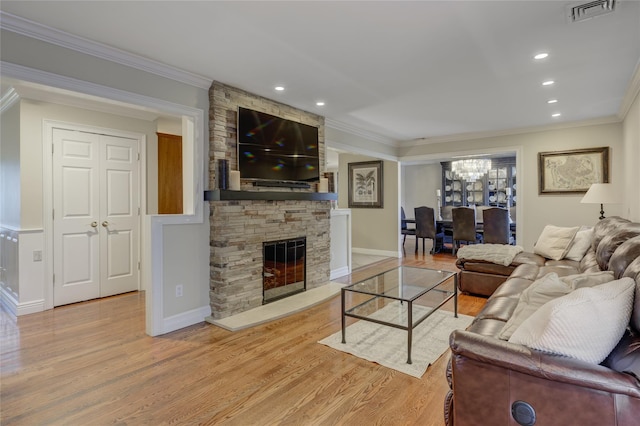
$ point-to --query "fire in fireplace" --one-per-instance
(284, 268)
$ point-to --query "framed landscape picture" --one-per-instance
(572, 172)
(365, 184)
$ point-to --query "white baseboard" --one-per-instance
(185, 319)
(373, 252)
(340, 272)
(17, 308)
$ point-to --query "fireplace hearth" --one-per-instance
(284, 268)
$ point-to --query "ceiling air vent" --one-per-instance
(585, 11)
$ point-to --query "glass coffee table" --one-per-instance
(423, 291)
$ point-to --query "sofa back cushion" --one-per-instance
(610, 243)
(589, 262)
(606, 227)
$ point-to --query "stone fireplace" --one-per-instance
(240, 226)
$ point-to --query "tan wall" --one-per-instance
(631, 149)
(373, 229)
(538, 210)
(419, 184)
(10, 167)
(33, 113)
(41, 56)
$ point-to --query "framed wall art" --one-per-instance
(572, 172)
(365, 184)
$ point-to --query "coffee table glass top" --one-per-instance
(413, 294)
(403, 283)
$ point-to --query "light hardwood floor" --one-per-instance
(92, 364)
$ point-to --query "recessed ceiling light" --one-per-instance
(552, 101)
(548, 83)
(279, 88)
(557, 114)
(320, 103)
(541, 56)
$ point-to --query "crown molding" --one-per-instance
(631, 94)
(508, 132)
(357, 131)
(107, 93)
(8, 99)
(60, 38)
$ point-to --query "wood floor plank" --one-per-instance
(92, 363)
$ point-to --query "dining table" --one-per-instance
(447, 225)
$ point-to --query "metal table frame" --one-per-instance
(410, 324)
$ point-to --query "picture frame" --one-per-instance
(365, 184)
(573, 171)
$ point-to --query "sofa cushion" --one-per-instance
(589, 262)
(624, 255)
(606, 227)
(610, 243)
(586, 324)
(554, 241)
(581, 243)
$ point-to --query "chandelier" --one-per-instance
(471, 169)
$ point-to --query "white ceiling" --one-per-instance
(398, 70)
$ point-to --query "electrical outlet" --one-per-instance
(37, 256)
(179, 290)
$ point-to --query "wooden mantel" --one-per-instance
(228, 195)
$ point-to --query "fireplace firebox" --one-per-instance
(284, 268)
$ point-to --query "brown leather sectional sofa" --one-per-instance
(495, 382)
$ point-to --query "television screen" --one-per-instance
(274, 148)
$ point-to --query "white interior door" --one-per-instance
(119, 215)
(95, 198)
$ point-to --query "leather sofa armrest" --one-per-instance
(534, 363)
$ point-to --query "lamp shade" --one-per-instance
(601, 193)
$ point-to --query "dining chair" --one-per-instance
(426, 228)
(404, 229)
(464, 226)
(496, 228)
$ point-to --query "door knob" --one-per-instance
(105, 223)
(94, 224)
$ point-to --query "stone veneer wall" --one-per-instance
(238, 228)
(223, 116)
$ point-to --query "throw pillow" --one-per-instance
(554, 241)
(586, 324)
(547, 288)
(581, 243)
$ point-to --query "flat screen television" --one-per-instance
(271, 148)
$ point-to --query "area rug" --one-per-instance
(387, 346)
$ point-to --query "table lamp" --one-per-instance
(601, 193)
